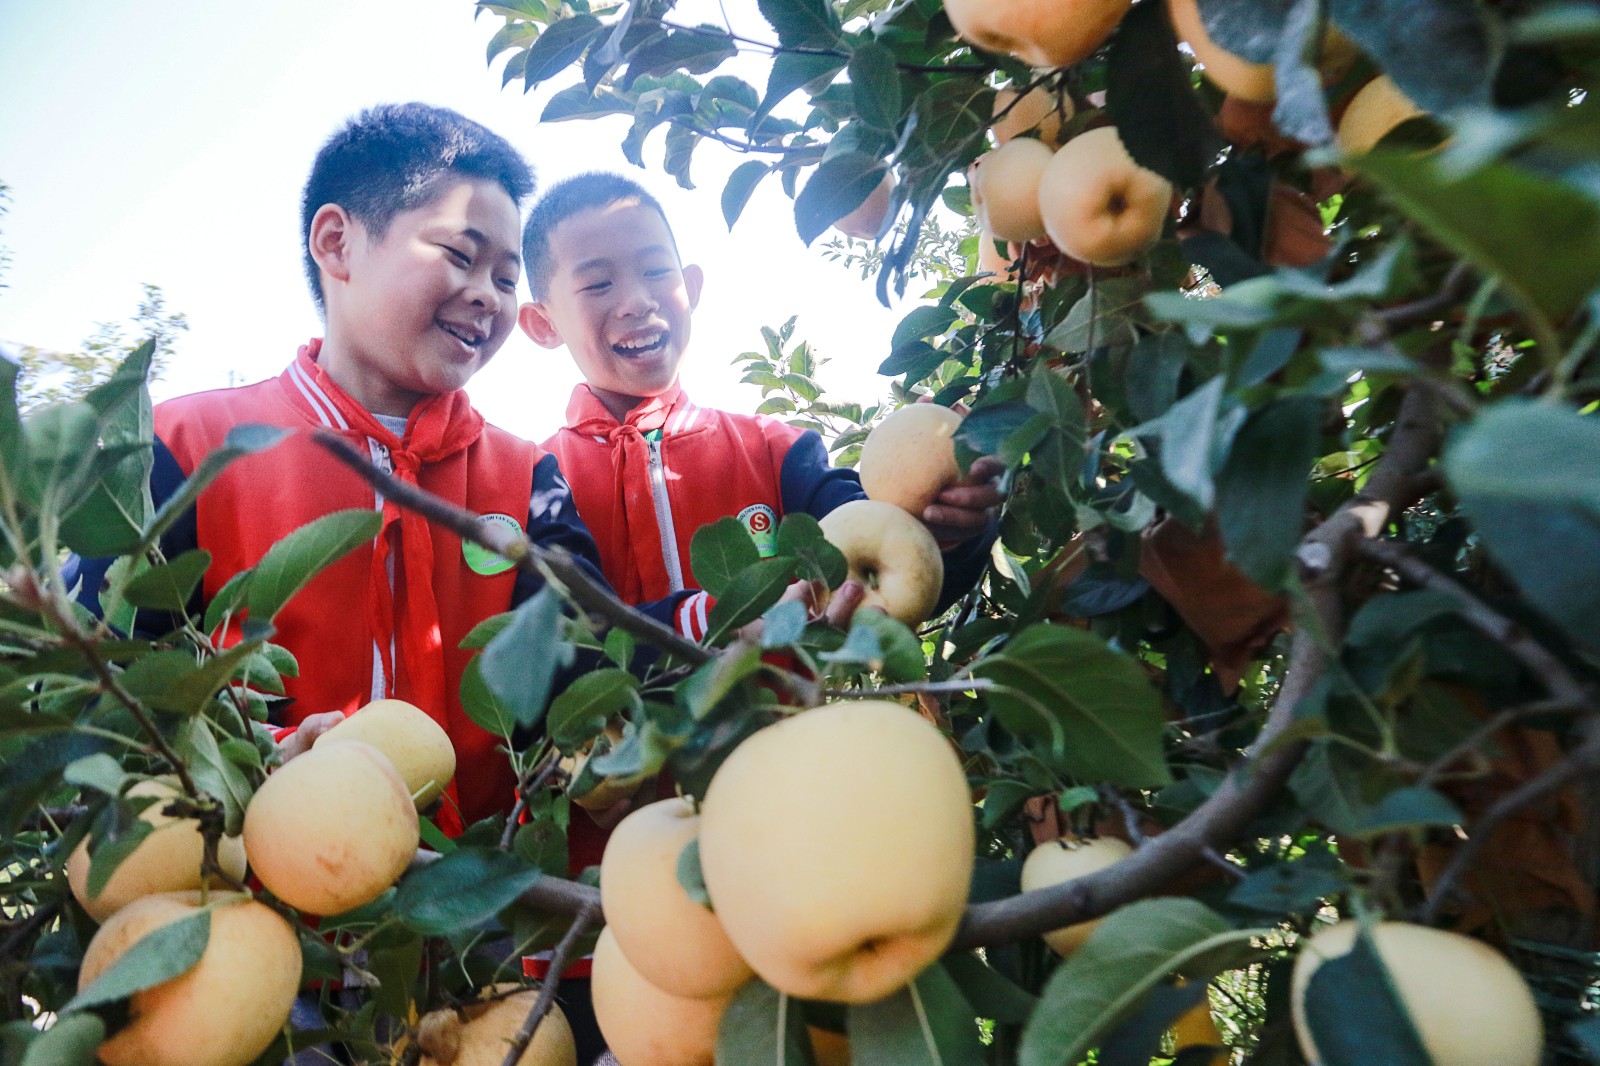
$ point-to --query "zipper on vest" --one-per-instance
(669, 533)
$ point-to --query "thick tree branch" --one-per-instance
(552, 564)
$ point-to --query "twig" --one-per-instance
(1582, 761)
(932, 688)
(1563, 685)
(547, 990)
(555, 894)
(1428, 308)
(529, 557)
(541, 773)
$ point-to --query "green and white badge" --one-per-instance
(481, 560)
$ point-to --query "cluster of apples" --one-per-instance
(906, 461)
(374, 770)
(830, 877)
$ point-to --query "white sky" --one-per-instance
(167, 141)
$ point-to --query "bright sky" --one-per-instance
(167, 141)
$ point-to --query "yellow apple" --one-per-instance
(168, 860)
(608, 791)
(837, 848)
(1098, 205)
(480, 1034)
(1379, 107)
(1040, 111)
(1196, 1028)
(417, 745)
(1232, 74)
(1041, 33)
(865, 222)
(330, 830)
(892, 554)
(672, 941)
(224, 1011)
(991, 260)
(645, 1026)
(1005, 189)
(1468, 1004)
(1065, 860)
(910, 457)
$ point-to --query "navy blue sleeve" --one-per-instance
(812, 484)
(86, 577)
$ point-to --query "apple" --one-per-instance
(168, 860)
(991, 260)
(673, 942)
(1041, 33)
(866, 221)
(1372, 112)
(332, 829)
(1098, 205)
(417, 745)
(645, 1026)
(225, 1010)
(892, 554)
(607, 791)
(1039, 111)
(1067, 859)
(837, 848)
(1005, 188)
(1468, 1004)
(480, 1034)
(1232, 74)
(910, 457)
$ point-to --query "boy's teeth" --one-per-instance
(642, 345)
(459, 334)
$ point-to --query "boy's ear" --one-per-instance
(537, 323)
(332, 232)
(694, 280)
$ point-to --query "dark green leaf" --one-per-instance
(1132, 950)
(578, 101)
(1154, 370)
(1439, 52)
(1261, 490)
(720, 552)
(792, 70)
(690, 875)
(1355, 1015)
(582, 710)
(168, 587)
(927, 1023)
(875, 85)
(213, 772)
(927, 320)
(750, 593)
(800, 536)
(558, 47)
(897, 653)
(160, 956)
(839, 185)
(295, 559)
(100, 772)
(762, 1027)
(71, 1041)
(60, 446)
(1409, 808)
(1297, 887)
(462, 890)
(104, 859)
(1094, 705)
(801, 23)
(991, 994)
(1153, 104)
(481, 704)
(706, 687)
(1196, 433)
(520, 663)
(741, 184)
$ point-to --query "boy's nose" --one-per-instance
(480, 290)
(638, 300)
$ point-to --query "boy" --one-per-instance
(410, 224)
(648, 467)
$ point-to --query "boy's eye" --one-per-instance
(596, 286)
(458, 255)
(508, 284)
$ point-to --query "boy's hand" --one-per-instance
(965, 508)
(836, 609)
(299, 742)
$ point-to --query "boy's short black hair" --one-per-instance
(567, 198)
(392, 158)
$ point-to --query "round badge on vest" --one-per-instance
(481, 560)
(762, 522)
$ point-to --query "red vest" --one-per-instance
(337, 622)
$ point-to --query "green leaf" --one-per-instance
(741, 184)
(248, 439)
(213, 772)
(1097, 708)
(991, 994)
(690, 875)
(1195, 435)
(110, 853)
(706, 687)
(295, 559)
(783, 624)
(60, 446)
(1536, 234)
(1409, 808)
(462, 890)
(71, 1041)
(99, 771)
(800, 536)
(1261, 490)
(1152, 102)
(588, 703)
(751, 592)
(1153, 372)
(927, 320)
(894, 650)
(719, 552)
(1131, 951)
(558, 47)
(762, 1027)
(160, 956)
(927, 1023)
(1439, 52)
(793, 70)
(1103, 317)
(169, 586)
(875, 86)
(480, 703)
(801, 23)
(520, 664)
(1355, 1016)
(1528, 474)
(840, 184)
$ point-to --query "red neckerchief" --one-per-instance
(588, 416)
(437, 428)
